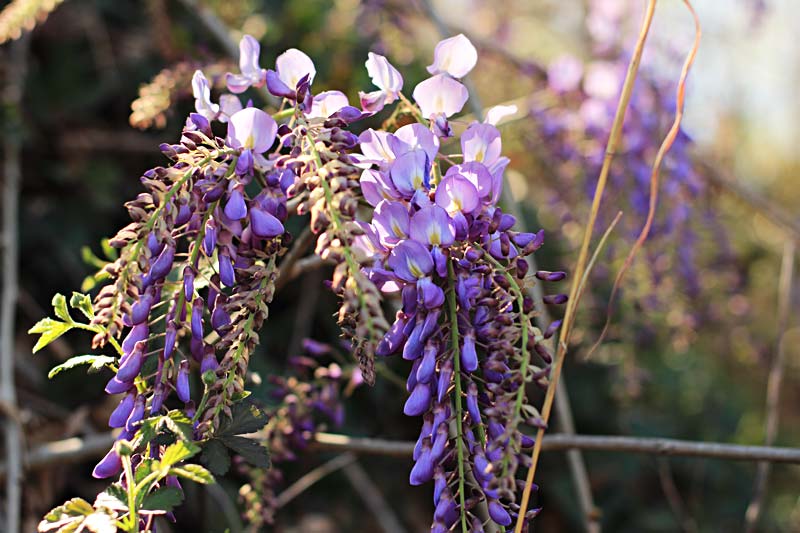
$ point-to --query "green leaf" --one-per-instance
(73, 507)
(193, 472)
(50, 330)
(116, 492)
(83, 303)
(164, 499)
(247, 418)
(60, 308)
(177, 422)
(97, 362)
(251, 450)
(216, 457)
(178, 452)
(144, 469)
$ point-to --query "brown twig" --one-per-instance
(561, 442)
(773, 384)
(669, 140)
(77, 449)
(583, 256)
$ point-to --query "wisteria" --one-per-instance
(573, 118)
(190, 288)
(439, 239)
(396, 266)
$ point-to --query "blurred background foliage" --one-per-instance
(677, 363)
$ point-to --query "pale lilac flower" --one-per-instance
(391, 222)
(455, 56)
(481, 143)
(410, 172)
(386, 78)
(477, 174)
(431, 225)
(327, 103)
(252, 129)
(375, 146)
(252, 74)
(410, 261)
(202, 96)
(414, 137)
(440, 94)
(292, 65)
(229, 105)
(376, 187)
(456, 194)
(366, 247)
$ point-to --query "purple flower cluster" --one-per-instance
(307, 402)
(577, 129)
(198, 258)
(196, 269)
(439, 239)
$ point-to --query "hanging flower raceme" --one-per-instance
(440, 240)
(307, 401)
(196, 269)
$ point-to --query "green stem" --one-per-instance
(286, 113)
(526, 356)
(352, 264)
(132, 517)
(454, 341)
(248, 325)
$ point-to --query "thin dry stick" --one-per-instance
(560, 442)
(66, 451)
(12, 168)
(301, 485)
(674, 496)
(583, 256)
(654, 176)
(373, 498)
(773, 384)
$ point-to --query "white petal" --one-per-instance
(498, 113)
(292, 65)
(440, 94)
(455, 56)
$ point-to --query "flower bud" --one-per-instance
(182, 382)
(109, 466)
(122, 411)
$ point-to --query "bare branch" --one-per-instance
(773, 384)
(561, 442)
(77, 449)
